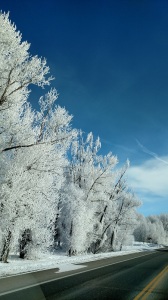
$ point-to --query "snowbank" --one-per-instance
(63, 262)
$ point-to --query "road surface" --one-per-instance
(140, 276)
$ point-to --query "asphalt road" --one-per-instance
(137, 276)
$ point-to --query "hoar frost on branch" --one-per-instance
(18, 68)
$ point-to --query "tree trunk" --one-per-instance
(24, 242)
(6, 248)
(112, 240)
(56, 234)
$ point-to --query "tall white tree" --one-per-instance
(98, 204)
(32, 144)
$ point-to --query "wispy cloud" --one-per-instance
(119, 146)
(150, 179)
(153, 154)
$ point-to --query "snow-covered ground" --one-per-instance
(63, 262)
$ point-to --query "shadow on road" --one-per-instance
(162, 249)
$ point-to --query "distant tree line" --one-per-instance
(152, 229)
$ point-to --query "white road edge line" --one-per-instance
(70, 275)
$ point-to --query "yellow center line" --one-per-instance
(151, 285)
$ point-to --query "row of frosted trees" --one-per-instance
(152, 229)
(56, 191)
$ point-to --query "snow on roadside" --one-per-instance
(62, 262)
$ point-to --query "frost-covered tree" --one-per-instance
(87, 177)
(156, 232)
(98, 204)
(140, 232)
(33, 144)
(118, 217)
(18, 68)
(164, 219)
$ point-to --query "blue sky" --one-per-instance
(110, 63)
